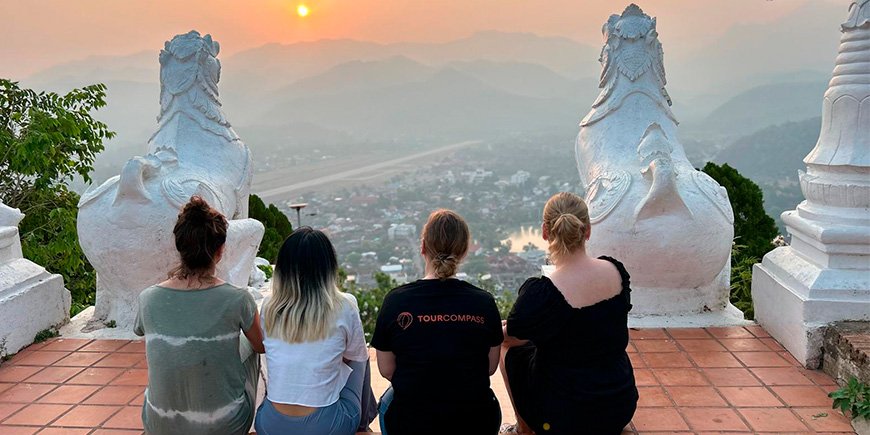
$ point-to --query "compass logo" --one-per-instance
(404, 320)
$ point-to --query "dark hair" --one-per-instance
(445, 241)
(308, 256)
(199, 234)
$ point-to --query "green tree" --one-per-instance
(277, 225)
(754, 231)
(47, 139)
(369, 300)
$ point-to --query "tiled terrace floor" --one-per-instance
(715, 380)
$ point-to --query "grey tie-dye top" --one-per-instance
(196, 380)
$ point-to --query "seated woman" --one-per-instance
(438, 341)
(565, 363)
(316, 355)
(197, 383)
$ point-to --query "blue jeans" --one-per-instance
(383, 405)
(340, 418)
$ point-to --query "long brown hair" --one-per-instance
(199, 234)
(445, 242)
(566, 219)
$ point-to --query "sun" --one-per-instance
(302, 11)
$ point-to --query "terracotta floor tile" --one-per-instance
(652, 396)
(695, 396)
(124, 360)
(140, 399)
(7, 409)
(656, 346)
(65, 344)
(630, 348)
(5, 386)
(38, 414)
(647, 333)
(128, 418)
(68, 394)
(95, 376)
(757, 331)
(730, 332)
(18, 430)
(54, 375)
(762, 359)
(64, 431)
(802, 395)
(81, 359)
(772, 419)
(701, 345)
(666, 359)
(714, 359)
(658, 419)
(38, 358)
(25, 393)
(744, 345)
(825, 419)
(680, 377)
(114, 395)
(636, 360)
(132, 377)
(818, 377)
(104, 345)
(717, 419)
(644, 377)
(780, 376)
(133, 346)
(86, 416)
(747, 397)
(144, 364)
(772, 344)
(10, 373)
(689, 333)
(727, 377)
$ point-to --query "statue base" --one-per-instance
(823, 277)
(31, 300)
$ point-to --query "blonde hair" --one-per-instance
(305, 297)
(566, 219)
(445, 242)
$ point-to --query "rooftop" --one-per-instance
(732, 380)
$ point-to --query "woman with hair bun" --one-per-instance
(438, 342)
(564, 358)
(192, 324)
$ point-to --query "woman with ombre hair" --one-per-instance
(564, 358)
(316, 355)
(437, 341)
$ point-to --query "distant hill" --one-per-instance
(772, 158)
(763, 106)
(528, 79)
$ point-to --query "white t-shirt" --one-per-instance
(313, 373)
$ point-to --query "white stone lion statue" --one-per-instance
(125, 225)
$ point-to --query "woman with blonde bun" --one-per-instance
(438, 341)
(564, 358)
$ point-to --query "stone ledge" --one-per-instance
(846, 351)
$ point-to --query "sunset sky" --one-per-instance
(40, 33)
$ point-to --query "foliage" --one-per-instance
(741, 281)
(45, 334)
(753, 228)
(267, 269)
(46, 140)
(277, 225)
(854, 397)
(754, 231)
(369, 299)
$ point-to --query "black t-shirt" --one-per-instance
(441, 333)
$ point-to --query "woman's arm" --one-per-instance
(508, 340)
(255, 335)
(387, 364)
(494, 356)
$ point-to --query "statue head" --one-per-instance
(186, 60)
(631, 45)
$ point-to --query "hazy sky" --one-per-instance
(40, 33)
